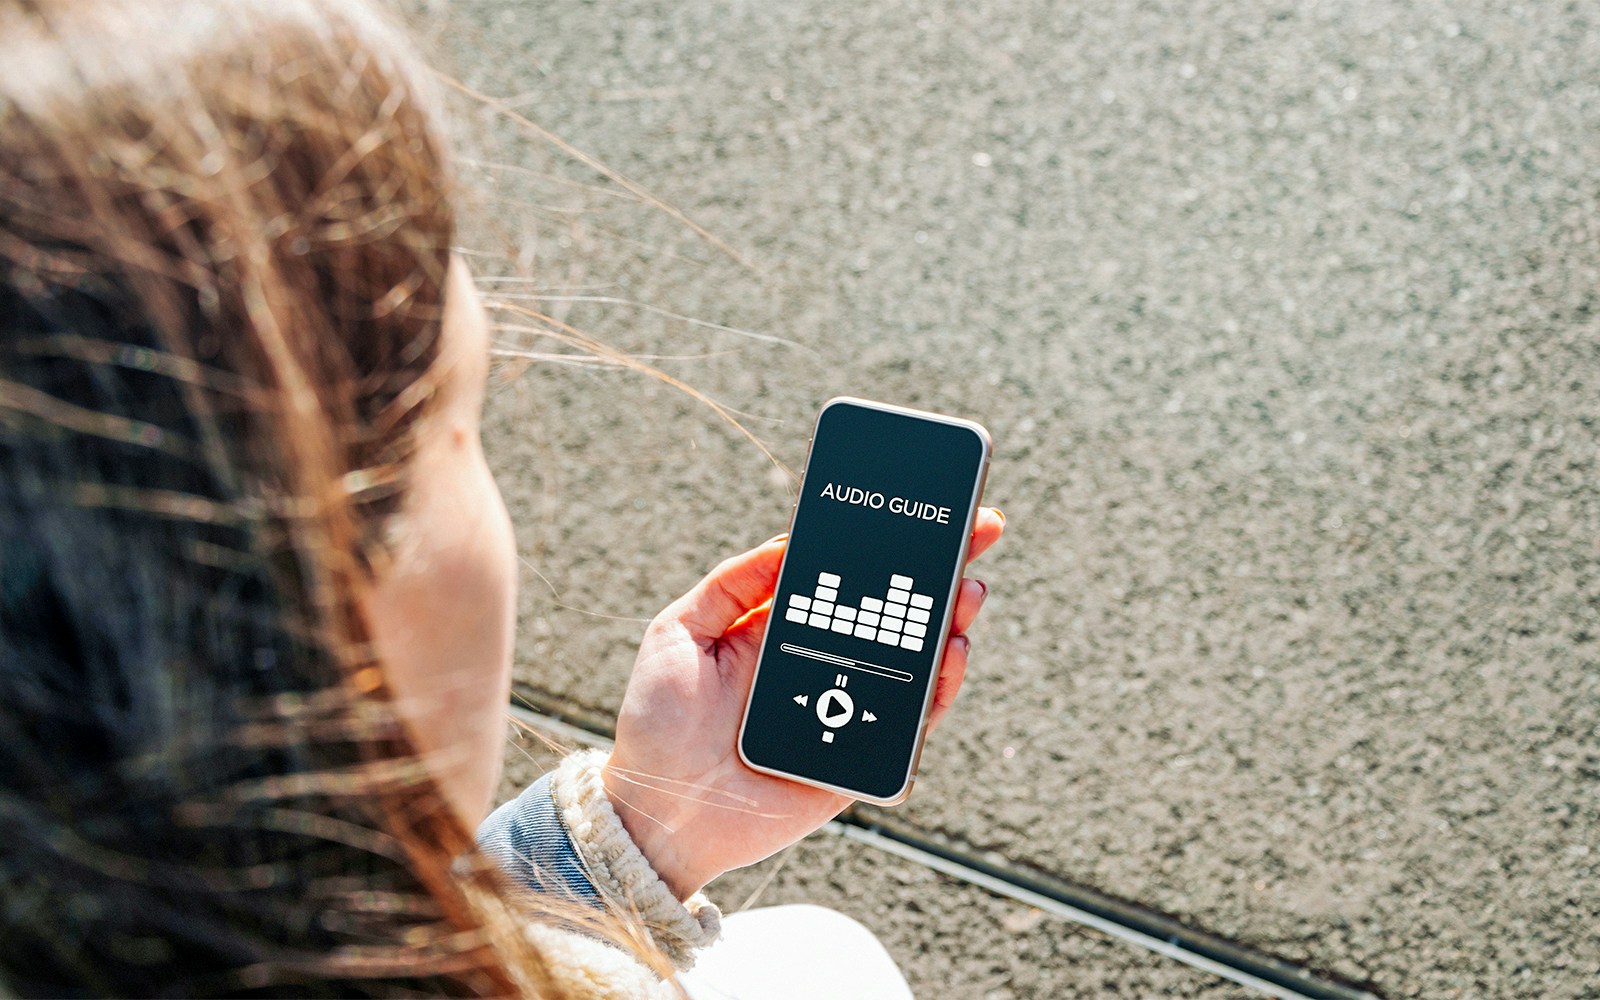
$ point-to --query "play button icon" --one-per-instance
(834, 708)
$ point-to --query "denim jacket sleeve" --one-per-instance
(530, 842)
(563, 836)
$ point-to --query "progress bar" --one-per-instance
(845, 661)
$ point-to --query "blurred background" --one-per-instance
(1283, 315)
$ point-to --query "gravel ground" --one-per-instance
(1283, 318)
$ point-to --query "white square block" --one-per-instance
(818, 621)
(912, 643)
(897, 610)
(867, 618)
(866, 632)
(889, 638)
(917, 629)
(898, 596)
(848, 614)
(828, 579)
(827, 594)
(827, 737)
(871, 604)
(795, 615)
(841, 626)
(892, 624)
(822, 607)
(800, 601)
(921, 601)
(918, 614)
(903, 582)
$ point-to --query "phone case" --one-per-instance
(878, 541)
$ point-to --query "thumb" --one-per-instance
(730, 591)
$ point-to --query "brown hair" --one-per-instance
(224, 240)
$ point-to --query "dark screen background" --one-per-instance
(897, 455)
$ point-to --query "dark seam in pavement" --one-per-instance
(1142, 921)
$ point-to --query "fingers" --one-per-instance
(969, 599)
(986, 531)
(731, 591)
(743, 639)
(952, 671)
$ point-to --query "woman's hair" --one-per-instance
(224, 239)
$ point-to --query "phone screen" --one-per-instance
(863, 600)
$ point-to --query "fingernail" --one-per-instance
(776, 538)
(985, 595)
(1001, 514)
(966, 644)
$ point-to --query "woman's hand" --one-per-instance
(677, 782)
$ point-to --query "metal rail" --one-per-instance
(1138, 926)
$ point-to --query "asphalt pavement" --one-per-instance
(1283, 317)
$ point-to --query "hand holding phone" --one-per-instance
(693, 807)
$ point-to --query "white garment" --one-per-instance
(797, 952)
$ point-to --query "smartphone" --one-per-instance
(877, 543)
